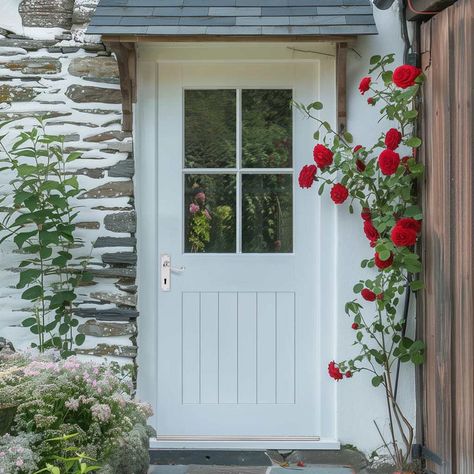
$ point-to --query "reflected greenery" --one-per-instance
(210, 128)
(267, 213)
(210, 213)
(266, 128)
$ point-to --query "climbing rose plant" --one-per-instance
(379, 180)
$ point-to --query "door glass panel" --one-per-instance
(210, 128)
(266, 128)
(209, 213)
(267, 213)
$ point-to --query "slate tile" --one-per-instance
(123, 11)
(344, 10)
(207, 20)
(229, 11)
(184, 11)
(262, 20)
(149, 21)
(318, 20)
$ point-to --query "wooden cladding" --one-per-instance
(447, 308)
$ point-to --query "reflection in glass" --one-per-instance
(209, 213)
(209, 128)
(267, 213)
(266, 128)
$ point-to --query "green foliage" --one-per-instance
(73, 413)
(39, 217)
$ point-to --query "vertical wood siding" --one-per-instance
(447, 321)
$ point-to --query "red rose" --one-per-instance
(393, 138)
(389, 162)
(380, 296)
(370, 231)
(371, 101)
(360, 165)
(368, 295)
(357, 148)
(322, 156)
(404, 76)
(355, 326)
(339, 193)
(366, 214)
(402, 236)
(348, 374)
(364, 85)
(334, 371)
(382, 264)
(410, 223)
(306, 177)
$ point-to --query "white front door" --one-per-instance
(237, 332)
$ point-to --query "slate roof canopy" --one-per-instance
(233, 18)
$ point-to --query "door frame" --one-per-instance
(149, 58)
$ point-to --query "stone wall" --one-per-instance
(50, 68)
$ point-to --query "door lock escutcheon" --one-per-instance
(166, 269)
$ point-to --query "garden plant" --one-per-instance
(39, 217)
(72, 417)
(381, 184)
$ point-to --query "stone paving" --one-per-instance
(194, 469)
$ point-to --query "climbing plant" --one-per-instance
(379, 182)
(39, 217)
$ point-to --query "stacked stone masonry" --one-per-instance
(52, 69)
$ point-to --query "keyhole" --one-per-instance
(165, 280)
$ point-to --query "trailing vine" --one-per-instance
(381, 184)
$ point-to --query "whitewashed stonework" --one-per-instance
(50, 68)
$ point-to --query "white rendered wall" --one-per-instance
(358, 402)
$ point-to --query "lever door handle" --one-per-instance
(166, 270)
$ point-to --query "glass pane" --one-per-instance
(267, 128)
(209, 128)
(267, 213)
(209, 213)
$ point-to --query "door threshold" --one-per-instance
(238, 443)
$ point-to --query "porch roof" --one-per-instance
(233, 18)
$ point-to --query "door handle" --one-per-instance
(166, 270)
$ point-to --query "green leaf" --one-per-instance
(28, 322)
(413, 142)
(63, 329)
(73, 156)
(316, 135)
(348, 137)
(315, 105)
(32, 293)
(22, 237)
(377, 380)
(28, 276)
(47, 238)
(79, 340)
(387, 76)
(417, 285)
(358, 288)
(375, 59)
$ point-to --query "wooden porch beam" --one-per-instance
(225, 39)
(341, 69)
(125, 53)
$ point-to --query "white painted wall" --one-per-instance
(358, 403)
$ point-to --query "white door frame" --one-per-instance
(145, 126)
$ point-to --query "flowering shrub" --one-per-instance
(65, 397)
(381, 184)
(16, 454)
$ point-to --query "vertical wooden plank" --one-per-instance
(266, 348)
(247, 347)
(438, 264)
(285, 347)
(460, 18)
(447, 317)
(228, 348)
(209, 347)
(190, 348)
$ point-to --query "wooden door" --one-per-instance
(447, 310)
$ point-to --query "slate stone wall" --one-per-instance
(56, 71)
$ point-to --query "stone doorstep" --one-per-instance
(195, 469)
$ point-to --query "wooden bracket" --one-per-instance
(127, 64)
(341, 67)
